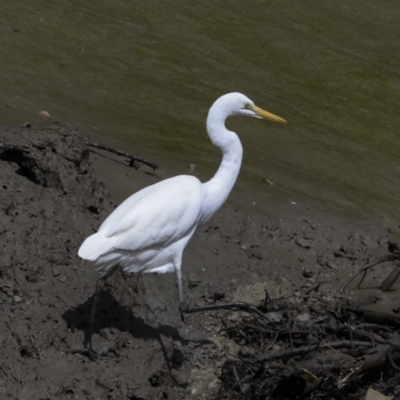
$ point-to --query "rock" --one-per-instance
(375, 395)
(304, 317)
(303, 242)
(307, 273)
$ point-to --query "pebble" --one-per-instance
(247, 351)
(304, 243)
(307, 273)
(304, 317)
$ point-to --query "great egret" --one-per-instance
(149, 231)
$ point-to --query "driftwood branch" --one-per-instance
(134, 162)
(388, 282)
(311, 351)
(288, 353)
(378, 317)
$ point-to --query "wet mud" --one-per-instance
(52, 197)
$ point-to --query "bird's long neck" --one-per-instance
(218, 188)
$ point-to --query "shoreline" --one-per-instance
(53, 196)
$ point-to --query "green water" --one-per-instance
(141, 75)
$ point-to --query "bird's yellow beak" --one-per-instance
(267, 115)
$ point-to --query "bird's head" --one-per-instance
(239, 104)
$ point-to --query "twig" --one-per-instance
(267, 299)
(307, 349)
(390, 280)
(363, 270)
(239, 306)
(135, 161)
(376, 316)
(371, 336)
(389, 355)
(313, 288)
(340, 255)
(237, 378)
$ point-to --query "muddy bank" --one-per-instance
(52, 198)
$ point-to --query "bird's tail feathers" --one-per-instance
(94, 246)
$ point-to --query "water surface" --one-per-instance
(141, 76)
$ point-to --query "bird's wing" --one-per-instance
(158, 215)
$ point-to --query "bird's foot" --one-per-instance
(183, 306)
(88, 352)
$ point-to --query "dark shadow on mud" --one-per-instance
(111, 314)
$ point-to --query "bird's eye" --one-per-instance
(247, 106)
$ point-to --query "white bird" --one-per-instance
(148, 232)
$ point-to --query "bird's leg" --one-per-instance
(87, 343)
(182, 304)
(184, 307)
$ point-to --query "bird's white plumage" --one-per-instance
(158, 215)
(149, 231)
